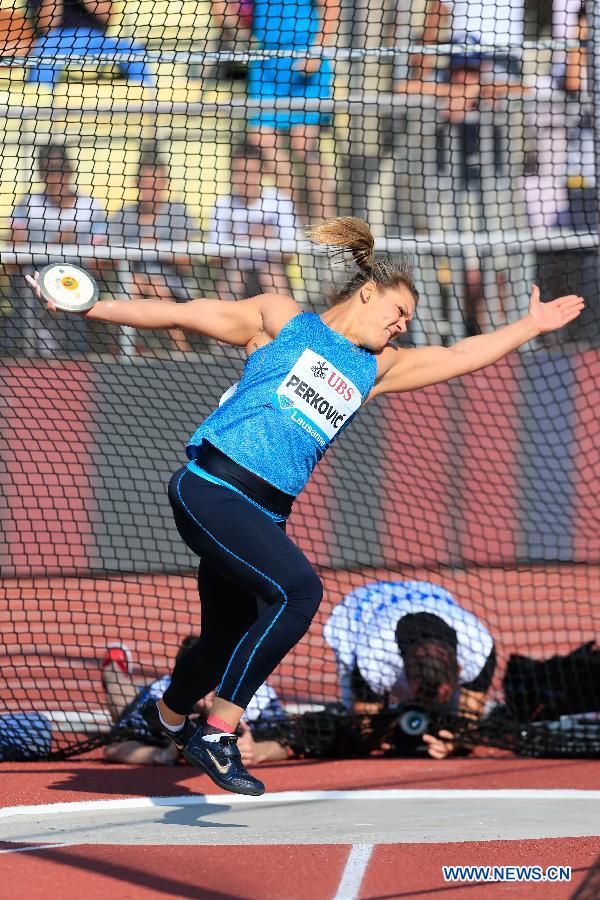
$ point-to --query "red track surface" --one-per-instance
(286, 872)
(28, 783)
(413, 870)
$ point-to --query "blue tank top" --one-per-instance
(281, 24)
(295, 397)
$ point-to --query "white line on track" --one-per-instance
(296, 797)
(354, 872)
(37, 847)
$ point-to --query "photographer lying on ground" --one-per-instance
(411, 641)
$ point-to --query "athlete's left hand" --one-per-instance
(441, 745)
(556, 313)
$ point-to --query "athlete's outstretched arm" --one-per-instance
(230, 321)
(413, 369)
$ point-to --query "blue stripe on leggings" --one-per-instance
(254, 569)
(198, 470)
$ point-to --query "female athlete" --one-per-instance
(306, 376)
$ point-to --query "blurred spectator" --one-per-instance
(581, 167)
(410, 640)
(560, 185)
(135, 743)
(496, 22)
(293, 135)
(16, 34)
(58, 214)
(155, 217)
(234, 20)
(77, 28)
(568, 154)
(566, 16)
(470, 83)
(546, 174)
(251, 214)
(434, 28)
(561, 191)
(494, 25)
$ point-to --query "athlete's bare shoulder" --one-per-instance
(277, 310)
(386, 358)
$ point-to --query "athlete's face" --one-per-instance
(385, 314)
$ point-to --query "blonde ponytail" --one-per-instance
(346, 234)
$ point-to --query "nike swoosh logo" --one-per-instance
(218, 766)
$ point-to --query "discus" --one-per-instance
(68, 287)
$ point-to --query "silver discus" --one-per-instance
(69, 287)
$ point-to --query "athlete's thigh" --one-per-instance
(241, 542)
(222, 600)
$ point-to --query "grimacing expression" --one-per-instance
(386, 314)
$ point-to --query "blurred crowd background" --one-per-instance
(178, 150)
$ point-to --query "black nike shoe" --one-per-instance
(221, 760)
(149, 712)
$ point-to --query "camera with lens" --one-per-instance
(409, 722)
(412, 720)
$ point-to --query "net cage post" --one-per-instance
(595, 80)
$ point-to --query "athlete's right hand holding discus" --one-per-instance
(313, 374)
(65, 286)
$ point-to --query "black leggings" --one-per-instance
(245, 555)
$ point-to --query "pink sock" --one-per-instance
(220, 724)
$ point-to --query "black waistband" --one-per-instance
(222, 466)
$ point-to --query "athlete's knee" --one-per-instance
(304, 593)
